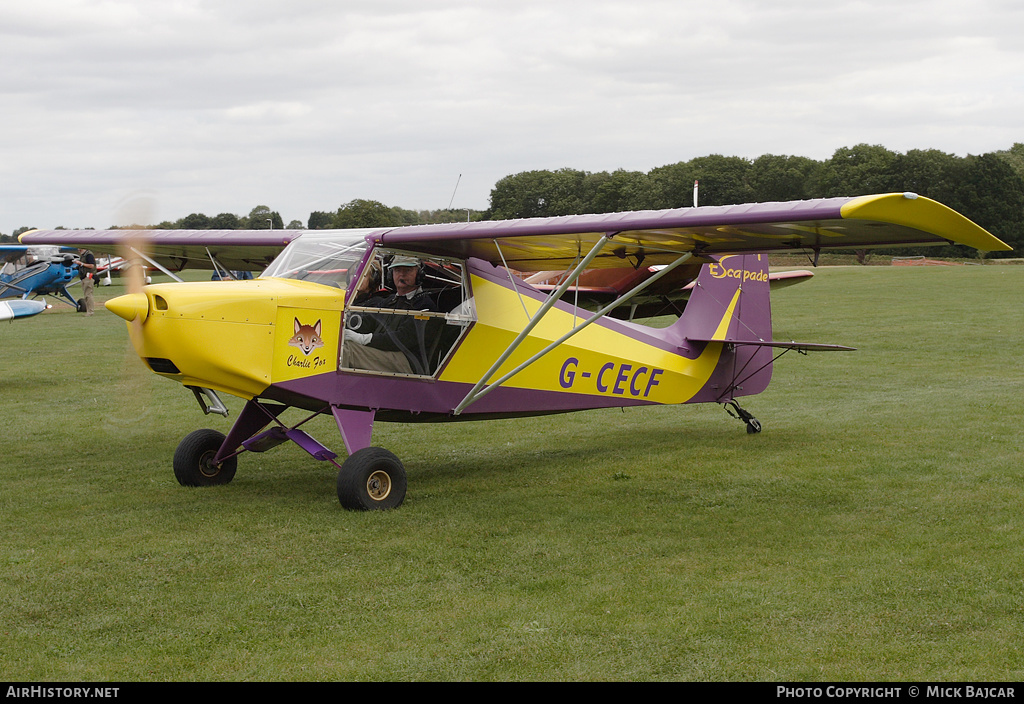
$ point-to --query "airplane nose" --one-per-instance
(129, 306)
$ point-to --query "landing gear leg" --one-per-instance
(753, 424)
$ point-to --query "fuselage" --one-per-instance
(41, 278)
(282, 338)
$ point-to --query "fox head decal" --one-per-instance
(307, 337)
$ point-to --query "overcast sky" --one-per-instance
(217, 106)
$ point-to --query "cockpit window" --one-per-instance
(324, 257)
(406, 315)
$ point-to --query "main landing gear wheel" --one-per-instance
(371, 479)
(193, 460)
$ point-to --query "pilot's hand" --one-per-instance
(360, 338)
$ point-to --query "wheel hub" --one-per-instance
(378, 485)
(206, 467)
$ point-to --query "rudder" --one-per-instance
(730, 303)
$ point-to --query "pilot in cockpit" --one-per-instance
(390, 343)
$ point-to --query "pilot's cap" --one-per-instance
(404, 261)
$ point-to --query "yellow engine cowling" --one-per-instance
(235, 336)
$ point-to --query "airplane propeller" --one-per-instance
(136, 212)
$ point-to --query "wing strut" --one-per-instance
(511, 278)
(156, 264)
(222, 271)
(478, 392)
(541, 312)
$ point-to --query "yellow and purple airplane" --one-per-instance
(428, 323)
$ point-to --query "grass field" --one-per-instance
(872, 532)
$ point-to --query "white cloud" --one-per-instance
(220, 105)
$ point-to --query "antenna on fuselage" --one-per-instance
(695, 184)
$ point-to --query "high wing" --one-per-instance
(13, 252)
(242, 250)
(613, 240)
(660, 236)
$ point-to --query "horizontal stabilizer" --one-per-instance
(798, 346)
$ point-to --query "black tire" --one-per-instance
(80, 305)
(192, 465)
(371, 479)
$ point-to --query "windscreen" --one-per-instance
(323, 256)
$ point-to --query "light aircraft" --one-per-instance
(105, 266)
(50, 275)
(596, 288)
(487, 344)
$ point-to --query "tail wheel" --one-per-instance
(753, 424)
(371, 479)
(193, 460)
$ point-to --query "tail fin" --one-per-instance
(730, 303)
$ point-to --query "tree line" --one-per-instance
(355, 213)
(988, 189)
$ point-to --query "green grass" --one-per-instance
(871, 532)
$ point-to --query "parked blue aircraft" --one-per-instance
(49, 276)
